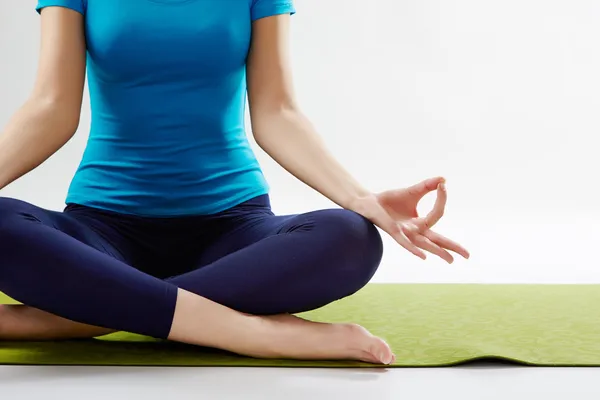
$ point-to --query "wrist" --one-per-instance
(360, 201)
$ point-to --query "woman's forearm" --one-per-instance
(35, 132)
(290, 139)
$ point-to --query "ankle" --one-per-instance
(274, 336)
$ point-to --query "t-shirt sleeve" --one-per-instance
(267, 8)
(77, 5)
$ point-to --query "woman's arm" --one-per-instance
(49, 118)
(288, 137)
(279, 126)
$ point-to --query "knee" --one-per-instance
(9, 208)
(359, 237)
(356, 244)
(7, 211)
(12, 213)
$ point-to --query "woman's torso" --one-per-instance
(167, 91)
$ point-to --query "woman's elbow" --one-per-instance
(63, 114)
(272, 120)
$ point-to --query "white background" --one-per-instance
(502, 98)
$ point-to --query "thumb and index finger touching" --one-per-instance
(439, 207)
(426, 186)
(382, 219)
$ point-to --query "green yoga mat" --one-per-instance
(426, 325)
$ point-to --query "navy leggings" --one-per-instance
(122, 272)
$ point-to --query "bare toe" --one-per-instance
(371, 348)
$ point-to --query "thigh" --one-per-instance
(76, 225)
(288, 263)
(323, 232)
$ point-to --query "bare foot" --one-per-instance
(294, 337)
(280, 336)
(19, 322)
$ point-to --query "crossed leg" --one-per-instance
(285, 265)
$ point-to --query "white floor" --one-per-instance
(481, 382)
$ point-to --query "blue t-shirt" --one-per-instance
(167, 83)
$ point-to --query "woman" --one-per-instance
(168, 230)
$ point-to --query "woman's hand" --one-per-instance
(395, 212)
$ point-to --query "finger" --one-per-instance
(426, 186)
(411, 228)
(378, 216)
(428, 245)
(438, 208)
(386, 223)
(446, 243)
(405, 242)
(400, 237)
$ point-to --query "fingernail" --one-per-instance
(443, 186)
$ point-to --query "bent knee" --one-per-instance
(357, 242)
(8, 209)
(357, 234)
(12, 211)
(10, 206)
